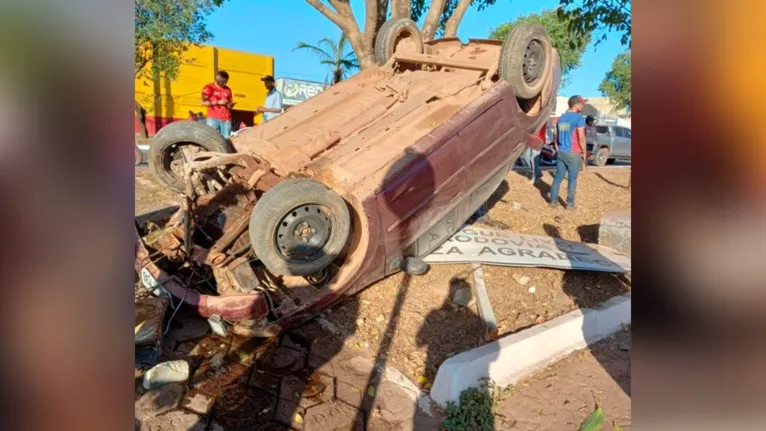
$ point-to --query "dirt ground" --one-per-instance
(411, 324)
(565, 393)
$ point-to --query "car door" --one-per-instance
(628, 142)
(619, 142)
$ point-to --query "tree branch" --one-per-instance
(450, 28)
(343, 17)
(326, 11)
(401, 8)
(432, 19)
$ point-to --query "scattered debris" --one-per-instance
(532, 289)
(463, 297)
(150, 314)
(521, 279)
(218, 326)
(380, 318)
(166, 372)
(517, 206)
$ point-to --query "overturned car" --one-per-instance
(348, 187)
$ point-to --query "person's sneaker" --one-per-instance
(571, 207)
(553, 204)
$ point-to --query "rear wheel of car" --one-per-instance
(601, 157)
(167, 152)
(610, 161)
(299, 227)
(397, 35)
(525, 60)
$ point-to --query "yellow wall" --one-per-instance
(174, 99)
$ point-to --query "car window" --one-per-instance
(626, 131)
(602, 130)
(619, 132)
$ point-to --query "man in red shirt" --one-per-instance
(218, 99)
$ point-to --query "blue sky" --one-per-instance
(275, 27)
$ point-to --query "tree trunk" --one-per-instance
(337, 75)
(450, 28)
(141, 116)
(343, 17)
(432, 20)
(400, 8)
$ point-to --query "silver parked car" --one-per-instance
(612, 142)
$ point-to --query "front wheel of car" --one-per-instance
(299, 227)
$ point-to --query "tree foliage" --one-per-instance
(570, 45)
(616, 83)
(334, 54)
(599, 17)
(165, 29)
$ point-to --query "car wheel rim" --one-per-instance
(534, 57)
(302, 233)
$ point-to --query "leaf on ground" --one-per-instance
(422, 380)
(616, 426)
(371, 391)
(298, 418)
(594, 420)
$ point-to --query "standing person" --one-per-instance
(590, 133)
(534, 156)
(273, 106)
(569, 142)
(218, 99)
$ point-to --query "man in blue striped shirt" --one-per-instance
(570, 146)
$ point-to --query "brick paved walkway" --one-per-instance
(303, 381)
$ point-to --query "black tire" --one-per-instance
(139, 156)
(285, 208)
(610, 161)
(391, 33)
(525, 60)
(166, 143)
(601, 156)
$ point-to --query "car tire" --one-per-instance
(394, 31)
(601, 156)
(139, 156)
(525, 60)
(164, 152)
(610, 161)
(289, 208)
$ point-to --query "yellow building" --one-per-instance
(164, 100)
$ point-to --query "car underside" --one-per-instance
(348, 187)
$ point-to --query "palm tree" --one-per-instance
(335, 55)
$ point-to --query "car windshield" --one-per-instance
(602, 130)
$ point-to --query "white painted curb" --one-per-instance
(511, 358)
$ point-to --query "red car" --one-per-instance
(356, 183)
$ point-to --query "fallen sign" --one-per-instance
(498, 247)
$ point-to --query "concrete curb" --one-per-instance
(516, 356)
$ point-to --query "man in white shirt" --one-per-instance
(273, 106)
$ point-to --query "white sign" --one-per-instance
(496, 247)
(296, 91)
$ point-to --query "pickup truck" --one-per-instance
(352, 185)
(612, 143)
